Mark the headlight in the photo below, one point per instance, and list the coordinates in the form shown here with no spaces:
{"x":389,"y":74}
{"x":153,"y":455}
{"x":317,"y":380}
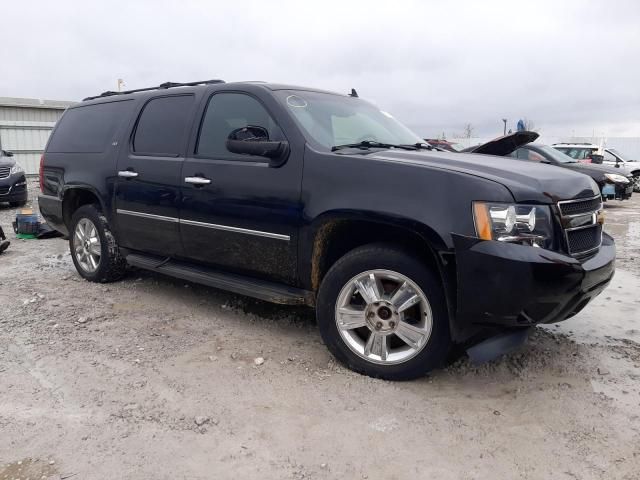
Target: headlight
{"x":16,"y":169}
{"x":615,"y":178}
{"x":523,"y":224}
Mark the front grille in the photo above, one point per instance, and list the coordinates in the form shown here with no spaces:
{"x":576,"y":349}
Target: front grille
{"x":4,"y":172}
{"x":584,"y":240}
{"x":580,"y":206}
{"x":4,"y":190}
{"x":582,"y":229}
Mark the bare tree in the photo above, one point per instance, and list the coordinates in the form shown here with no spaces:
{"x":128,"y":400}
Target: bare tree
{"x":468,"y":130}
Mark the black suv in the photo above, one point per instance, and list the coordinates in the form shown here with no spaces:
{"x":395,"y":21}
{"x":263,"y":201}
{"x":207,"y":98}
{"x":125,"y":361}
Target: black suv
{"x":301,"y":196}
{"x":13,"y":184}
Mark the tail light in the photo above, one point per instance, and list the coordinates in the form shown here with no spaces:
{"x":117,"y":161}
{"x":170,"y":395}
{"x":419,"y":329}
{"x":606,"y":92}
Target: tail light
{"x":41,"y":172}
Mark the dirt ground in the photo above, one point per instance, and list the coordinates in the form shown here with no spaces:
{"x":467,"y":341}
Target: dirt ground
{"x":152,"y":378}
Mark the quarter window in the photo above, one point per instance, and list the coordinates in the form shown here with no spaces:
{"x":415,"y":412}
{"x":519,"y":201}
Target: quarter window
{"x":90,"y":128}
{"x":162,"y":126}
{"x":226,"y":112}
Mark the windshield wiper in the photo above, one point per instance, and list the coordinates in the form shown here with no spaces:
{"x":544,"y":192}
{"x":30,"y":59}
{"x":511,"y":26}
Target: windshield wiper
{"x":366,"y":144}
{"x":417,"y":146}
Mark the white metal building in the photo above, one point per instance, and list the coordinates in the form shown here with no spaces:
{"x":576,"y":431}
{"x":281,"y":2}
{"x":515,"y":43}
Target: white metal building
{"x":25,"y":125}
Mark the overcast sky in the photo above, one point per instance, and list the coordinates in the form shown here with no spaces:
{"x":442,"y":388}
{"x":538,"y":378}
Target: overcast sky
{"x":570,"y":67}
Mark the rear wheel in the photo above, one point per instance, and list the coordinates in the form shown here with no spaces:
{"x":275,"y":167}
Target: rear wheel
{"x":382,"y":313}
{"x":93,"y":247}
{"x":636,"y":181}
{"x":17,"y":204}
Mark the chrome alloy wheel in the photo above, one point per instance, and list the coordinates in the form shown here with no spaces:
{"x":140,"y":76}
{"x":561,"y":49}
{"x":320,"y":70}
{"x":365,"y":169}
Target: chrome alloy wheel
{"x":383,"y":317}
{"x":86,"y":244}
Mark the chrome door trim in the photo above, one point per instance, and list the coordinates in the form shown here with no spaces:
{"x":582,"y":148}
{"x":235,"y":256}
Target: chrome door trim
{"x":127,"y":174}
{"x":147,"y":215}
{"x":277,"y":236}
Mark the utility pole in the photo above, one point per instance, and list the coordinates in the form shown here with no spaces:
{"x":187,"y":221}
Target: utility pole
{"x":504,"y":120}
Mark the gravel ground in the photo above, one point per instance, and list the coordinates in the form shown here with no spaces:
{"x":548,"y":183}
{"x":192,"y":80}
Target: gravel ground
{"x":152,"y":378}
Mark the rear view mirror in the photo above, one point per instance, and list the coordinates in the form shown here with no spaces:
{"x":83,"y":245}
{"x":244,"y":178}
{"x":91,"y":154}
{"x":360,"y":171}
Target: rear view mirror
{"x":254,"y":140}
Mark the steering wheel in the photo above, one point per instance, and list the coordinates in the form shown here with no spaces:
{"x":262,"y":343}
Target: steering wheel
{"x":366,"y":137}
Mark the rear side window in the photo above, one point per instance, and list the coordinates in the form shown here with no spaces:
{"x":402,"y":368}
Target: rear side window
{"x":162,"y":126}
{"x":88,"y":129}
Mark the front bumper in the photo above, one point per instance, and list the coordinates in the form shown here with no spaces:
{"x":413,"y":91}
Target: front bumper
{"x":503,"y":285}
{"x":13,"y":189}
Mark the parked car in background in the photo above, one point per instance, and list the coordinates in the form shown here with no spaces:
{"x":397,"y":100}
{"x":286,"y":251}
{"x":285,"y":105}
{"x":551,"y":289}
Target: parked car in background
{"x":443,"y":145}
{"x":13,"y":183}
{"x":584,"y":152}
{"x":300,"y":196}
{"x":611,"y":181}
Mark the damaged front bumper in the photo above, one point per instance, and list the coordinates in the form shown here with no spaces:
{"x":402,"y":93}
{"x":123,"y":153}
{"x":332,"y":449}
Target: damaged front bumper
{"x":504,"y":285}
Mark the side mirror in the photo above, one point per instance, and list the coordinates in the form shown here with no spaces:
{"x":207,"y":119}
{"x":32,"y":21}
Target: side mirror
{"x":7,"y":153}
{"x":254,"y":140}
{"x":595,"y":158}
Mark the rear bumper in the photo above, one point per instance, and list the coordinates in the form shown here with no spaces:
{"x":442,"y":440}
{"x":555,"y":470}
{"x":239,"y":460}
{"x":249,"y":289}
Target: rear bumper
{"x":51,"y":211}
{"x":506,"y":285}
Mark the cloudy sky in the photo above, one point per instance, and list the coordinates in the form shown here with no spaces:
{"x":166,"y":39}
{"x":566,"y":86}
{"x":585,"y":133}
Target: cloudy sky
{"x":571,"y":67}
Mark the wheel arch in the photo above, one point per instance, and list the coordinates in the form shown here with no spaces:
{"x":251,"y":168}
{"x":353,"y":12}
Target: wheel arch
{"x":75,"y":197}
{"x":333,"y":234}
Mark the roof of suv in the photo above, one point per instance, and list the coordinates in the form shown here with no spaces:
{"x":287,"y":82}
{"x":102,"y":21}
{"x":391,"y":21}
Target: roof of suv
{"x":190,"y":86}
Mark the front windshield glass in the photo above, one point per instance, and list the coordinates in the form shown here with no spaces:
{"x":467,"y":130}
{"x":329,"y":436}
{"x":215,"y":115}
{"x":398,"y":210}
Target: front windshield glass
{"x":332,"y":120}
{"x":617,"y":154}
{"x":557,"y":154}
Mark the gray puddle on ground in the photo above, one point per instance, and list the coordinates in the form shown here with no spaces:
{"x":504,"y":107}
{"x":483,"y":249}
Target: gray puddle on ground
{"x":28,"y":469}
{"x":611,"y":317}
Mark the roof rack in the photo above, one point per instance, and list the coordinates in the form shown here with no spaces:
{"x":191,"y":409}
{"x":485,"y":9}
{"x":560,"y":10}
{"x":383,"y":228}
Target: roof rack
{"x":165,"y":85}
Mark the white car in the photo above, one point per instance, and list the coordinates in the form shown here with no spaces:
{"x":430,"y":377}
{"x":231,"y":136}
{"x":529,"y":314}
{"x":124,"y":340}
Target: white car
{"x":583,"y":153}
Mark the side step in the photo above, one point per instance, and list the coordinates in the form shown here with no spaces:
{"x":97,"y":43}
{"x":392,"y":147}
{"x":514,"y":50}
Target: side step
{"x":251,"y":287}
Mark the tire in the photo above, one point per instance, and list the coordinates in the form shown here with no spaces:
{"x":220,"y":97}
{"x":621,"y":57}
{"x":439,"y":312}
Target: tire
{"x":389,"y":266}
{"x":636,"y":181}
{"x":110,"y":265}
{"x":17,"y":204}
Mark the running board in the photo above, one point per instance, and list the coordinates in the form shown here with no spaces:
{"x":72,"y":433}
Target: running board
{"x":249,"y":286}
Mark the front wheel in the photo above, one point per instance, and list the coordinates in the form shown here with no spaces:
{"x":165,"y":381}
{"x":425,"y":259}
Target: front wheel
{"x":382,"y":312}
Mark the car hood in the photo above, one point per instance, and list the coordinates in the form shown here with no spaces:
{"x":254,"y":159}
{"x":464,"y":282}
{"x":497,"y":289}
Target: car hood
{"x":7,"y":162}
{"x":595,"y":169}
{"x":504,"y":145}
{"x":527,"y":181}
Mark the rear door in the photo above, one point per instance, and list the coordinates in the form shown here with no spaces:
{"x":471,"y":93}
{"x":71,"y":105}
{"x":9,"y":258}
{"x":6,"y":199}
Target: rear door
{"x":149,"y":176}
{"x":241,"y":215}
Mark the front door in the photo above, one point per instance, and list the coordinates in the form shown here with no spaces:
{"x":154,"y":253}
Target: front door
{"x":238,"y":213}
{"x":149,"y":177}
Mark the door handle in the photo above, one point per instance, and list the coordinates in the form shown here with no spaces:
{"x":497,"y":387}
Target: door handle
{"x":197,"y":180}
{"x":127,"y":174}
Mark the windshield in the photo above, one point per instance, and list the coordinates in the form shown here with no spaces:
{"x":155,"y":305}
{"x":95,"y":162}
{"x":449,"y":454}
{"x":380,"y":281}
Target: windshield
{"x":556,"y":154}
{"x":577,"y":153}
{"x":332,"y":120}
{"x":617,"y":154}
